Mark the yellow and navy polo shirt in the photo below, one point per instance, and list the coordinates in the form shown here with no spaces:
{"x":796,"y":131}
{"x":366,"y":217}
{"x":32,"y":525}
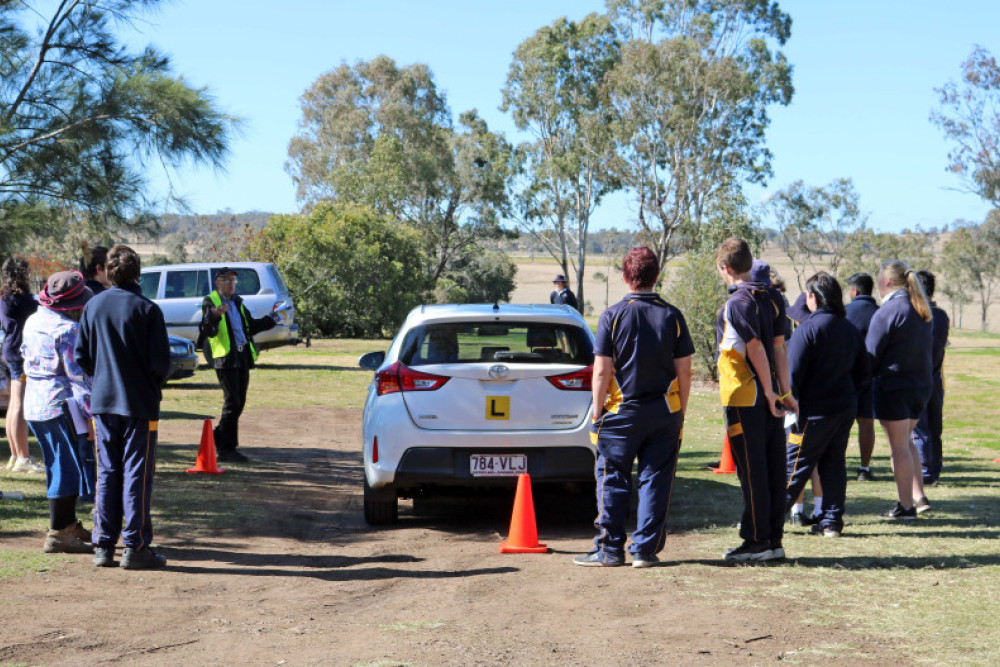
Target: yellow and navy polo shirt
{"x":749,"y":313}
{"x":643,"y":334}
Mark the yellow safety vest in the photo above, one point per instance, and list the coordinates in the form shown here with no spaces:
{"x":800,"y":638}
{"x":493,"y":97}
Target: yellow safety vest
{"x":219,"y":343}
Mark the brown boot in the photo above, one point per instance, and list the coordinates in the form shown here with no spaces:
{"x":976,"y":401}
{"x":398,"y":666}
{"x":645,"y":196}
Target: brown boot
{"x":64,"y":541}
{"x":79,"y":532}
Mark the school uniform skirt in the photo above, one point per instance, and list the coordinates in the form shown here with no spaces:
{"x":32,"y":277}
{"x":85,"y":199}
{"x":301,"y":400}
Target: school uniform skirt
{"x":64,"y":469}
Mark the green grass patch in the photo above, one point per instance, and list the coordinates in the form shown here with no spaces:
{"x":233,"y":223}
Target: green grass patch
{"x":21,"y":563}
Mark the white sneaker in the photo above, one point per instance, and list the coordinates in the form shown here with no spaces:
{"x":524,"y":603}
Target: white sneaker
{"x":28,"y":466}
{"x":10,"y":462}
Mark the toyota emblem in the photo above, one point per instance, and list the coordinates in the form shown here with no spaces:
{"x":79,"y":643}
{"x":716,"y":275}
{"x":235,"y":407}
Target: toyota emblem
{"x":499,"y":372}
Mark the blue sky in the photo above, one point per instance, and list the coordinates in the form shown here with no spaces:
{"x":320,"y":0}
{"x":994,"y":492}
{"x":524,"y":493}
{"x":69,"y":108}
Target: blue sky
{"x":865,"y":74}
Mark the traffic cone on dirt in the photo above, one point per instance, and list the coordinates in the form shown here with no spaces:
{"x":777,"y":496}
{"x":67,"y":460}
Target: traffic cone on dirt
{"x":523,"y":535}
{"x":726,"y":465}
{"x":206,"y":452}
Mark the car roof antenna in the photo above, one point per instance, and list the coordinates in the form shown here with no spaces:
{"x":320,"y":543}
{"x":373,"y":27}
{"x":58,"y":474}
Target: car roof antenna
{"x":496,"y":303}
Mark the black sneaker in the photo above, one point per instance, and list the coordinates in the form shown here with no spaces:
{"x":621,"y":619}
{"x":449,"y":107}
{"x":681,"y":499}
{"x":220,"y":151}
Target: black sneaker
{"x":750,"y":552}
{"x":645,"y":560}
{"x":597,"y":559}
{"x":142,"y":559}
{"x":865,"y":475}
{"x":825,"y":531}
{"x":231,"y":456}
{"x":104,"y":556}
{"x":922,"y":505}
{"x":897,"y":513}
{"x":800,"y":519}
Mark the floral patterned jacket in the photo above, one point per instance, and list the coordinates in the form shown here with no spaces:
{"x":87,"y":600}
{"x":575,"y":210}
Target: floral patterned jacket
{"x":53,"y":376}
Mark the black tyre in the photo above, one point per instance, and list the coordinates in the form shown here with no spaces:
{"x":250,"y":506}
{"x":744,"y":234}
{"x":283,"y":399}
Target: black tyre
{"x":381,"y":506}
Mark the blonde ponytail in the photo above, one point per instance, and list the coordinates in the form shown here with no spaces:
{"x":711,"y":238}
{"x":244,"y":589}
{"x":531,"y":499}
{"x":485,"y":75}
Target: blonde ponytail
{"x":917,"y":296}
{"x":898,"y":274}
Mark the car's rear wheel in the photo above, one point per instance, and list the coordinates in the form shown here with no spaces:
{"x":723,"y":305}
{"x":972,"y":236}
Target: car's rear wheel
{"x":381,"y":506}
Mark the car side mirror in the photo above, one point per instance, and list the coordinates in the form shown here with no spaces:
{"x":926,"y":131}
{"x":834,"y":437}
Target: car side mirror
{"x":371,"y":361}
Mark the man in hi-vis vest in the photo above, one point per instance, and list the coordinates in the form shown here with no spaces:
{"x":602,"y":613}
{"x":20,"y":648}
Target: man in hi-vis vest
{"x":227,"y":329}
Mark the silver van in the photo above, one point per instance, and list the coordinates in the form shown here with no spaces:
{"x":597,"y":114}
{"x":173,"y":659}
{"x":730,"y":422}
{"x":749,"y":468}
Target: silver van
{"x":178,"y":289}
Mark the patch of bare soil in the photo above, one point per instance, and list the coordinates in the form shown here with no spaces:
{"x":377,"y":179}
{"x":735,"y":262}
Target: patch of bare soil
{"x":308,"y":582}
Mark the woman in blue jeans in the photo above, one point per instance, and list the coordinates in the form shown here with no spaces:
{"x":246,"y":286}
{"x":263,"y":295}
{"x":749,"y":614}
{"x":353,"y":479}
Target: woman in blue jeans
{"x":829,"y":366}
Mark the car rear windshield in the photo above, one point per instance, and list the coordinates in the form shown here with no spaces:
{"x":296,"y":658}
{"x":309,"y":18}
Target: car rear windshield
{"x":512,"y":342}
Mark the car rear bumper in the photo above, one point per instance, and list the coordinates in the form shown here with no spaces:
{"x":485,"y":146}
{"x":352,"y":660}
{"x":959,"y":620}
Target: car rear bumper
{"x":411,"y":457}
{"x":450,"y":466}
{"x":182,"y":367}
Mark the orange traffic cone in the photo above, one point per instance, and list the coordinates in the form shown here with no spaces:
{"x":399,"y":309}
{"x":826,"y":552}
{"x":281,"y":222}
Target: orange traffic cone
{"x":206,"y":452}
{"x":726,"y":465}
{"x":523,"y":536}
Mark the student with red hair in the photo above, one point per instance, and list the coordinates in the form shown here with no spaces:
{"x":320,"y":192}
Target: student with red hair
{"x":642,"y":379}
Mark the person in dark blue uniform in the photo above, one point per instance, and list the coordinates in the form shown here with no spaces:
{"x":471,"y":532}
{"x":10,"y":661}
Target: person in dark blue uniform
{"x":94,"y":267}
{"x":123,"y":345}
{"x":562,"y":293}
{"x":754,"y":389}
{"x":927,"y":432}
{"x":641,"y":383}
{"x":900,"y":340}
{"x":860,"y":311}
{"x":829,"y":365}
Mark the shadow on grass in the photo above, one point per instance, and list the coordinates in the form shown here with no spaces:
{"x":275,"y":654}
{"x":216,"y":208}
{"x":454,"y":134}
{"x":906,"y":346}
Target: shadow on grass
{"x":172,"y":414}
{"x":944,"y":562}
{"x":196,"y":385}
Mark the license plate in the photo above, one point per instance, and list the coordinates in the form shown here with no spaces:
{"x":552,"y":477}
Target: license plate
{"x":505,"y":465}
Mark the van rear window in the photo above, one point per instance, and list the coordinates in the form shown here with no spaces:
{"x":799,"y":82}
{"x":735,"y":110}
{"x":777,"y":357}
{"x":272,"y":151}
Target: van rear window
{"x":490,"y":342}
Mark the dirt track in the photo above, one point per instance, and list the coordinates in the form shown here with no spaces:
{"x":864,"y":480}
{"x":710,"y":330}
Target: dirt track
{"x":310,"y":583}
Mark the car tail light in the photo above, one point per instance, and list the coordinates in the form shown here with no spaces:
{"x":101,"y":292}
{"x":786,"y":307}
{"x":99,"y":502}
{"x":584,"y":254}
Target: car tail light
{"x":399,"y":377}
{"x":576,"y":381}
{"x":375,"y":450}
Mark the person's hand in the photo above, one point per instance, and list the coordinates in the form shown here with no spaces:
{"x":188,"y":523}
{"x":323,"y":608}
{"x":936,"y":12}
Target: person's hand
{"x":791,"y":404}
{"x":221,"y":310}
{"x":772,"y":404}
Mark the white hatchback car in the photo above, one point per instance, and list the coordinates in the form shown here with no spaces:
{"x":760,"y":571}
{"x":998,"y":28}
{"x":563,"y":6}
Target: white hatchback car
{"x":473,"y":395}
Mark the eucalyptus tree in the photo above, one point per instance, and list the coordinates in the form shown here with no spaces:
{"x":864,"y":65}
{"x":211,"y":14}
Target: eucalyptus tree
{"x":971,"y":258}
{"x":690,"y":98}
{"x":817,"y":226}
{"x":381,"y":135}
{"x":556,"y":91}
{"x":83,"y":118}
{"x":969,"y":116}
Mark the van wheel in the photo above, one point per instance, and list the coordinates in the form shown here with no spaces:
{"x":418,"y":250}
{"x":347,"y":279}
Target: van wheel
{"x":381,"y":506}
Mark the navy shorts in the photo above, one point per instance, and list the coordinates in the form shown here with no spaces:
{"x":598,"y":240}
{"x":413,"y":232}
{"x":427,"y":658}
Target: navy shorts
{"x":866,"y":405}
{"x":900,"y":404}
